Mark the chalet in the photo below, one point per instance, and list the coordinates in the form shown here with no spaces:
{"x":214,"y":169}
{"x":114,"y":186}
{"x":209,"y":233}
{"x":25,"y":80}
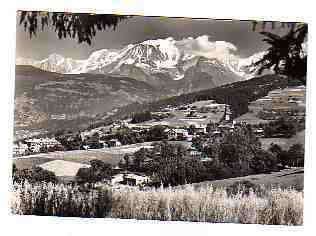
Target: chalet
{"x":114,"y":143}
{"x":194,"y":152}
{"x":116,"y":170}
{"x":259,"y":132}
{"x":129,"y":178}
{"x":200,"y":129}
{"x":178,"y":134}
{"x":95,"y":143}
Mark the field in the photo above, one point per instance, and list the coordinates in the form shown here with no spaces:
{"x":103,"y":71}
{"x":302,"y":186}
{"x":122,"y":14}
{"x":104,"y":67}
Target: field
{"x":284,"y":143}
{"x":288,"y":178}
{"x":278,"y":207}
{"x":108,"y":155}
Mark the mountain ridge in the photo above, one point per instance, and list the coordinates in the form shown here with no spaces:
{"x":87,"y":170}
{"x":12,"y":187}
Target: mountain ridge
{"x":166,"y":56}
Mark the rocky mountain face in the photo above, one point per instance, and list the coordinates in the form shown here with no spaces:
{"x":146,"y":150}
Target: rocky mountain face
{"x":156,"y":62}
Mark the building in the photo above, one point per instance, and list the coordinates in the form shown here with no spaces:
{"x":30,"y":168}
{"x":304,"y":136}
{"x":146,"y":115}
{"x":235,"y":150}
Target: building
{"x":129,"y":178}
{"x":178,"y":134}
{"x":259,"y":132}
{"x":20,"y":149}
{"x":48,"y":142}
{"x":114,"y":143}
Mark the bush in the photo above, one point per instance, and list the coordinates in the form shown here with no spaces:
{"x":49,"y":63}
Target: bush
{"x":36,"y":174}
{"x":141,"y":117}
{"x":245,"y":187}
{"x":98,"y":171}
{"x":296,"y":155}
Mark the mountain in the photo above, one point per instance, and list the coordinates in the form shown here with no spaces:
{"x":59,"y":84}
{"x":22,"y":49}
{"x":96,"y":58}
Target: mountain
{"x":160,"y":63}
{"x":49,"y":100}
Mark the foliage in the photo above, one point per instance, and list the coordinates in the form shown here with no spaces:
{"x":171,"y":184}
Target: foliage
{"x":80,"y":26}
{"x":141,"y":117}
{"x":98,"y":171}
{"x":292,"y":157}
{"x":296,"y":155}
{"x":14,"y":169}
{"x":209,"y":204}
{"x":156,"y":133}
{"x":282,"y":127}
{"x":36,"y":174}
{"x":70,"y":142}
{"x":285,"y":54}
{"x":245,"y":188}
{"x":238,"y":153}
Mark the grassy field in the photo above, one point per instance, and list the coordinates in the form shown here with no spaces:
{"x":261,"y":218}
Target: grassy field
{"x":287,"y":178}
{"x":278,"y":207}
{"x":284,"y":143}
{"x":108,"y":155}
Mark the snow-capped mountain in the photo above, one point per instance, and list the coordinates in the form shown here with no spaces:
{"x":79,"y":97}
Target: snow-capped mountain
{"x":158,"y":61}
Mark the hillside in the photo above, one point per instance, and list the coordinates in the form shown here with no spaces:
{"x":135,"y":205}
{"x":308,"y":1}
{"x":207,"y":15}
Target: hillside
{"x":287,"y":178}
{"x":238,"y":95}
{"x":46,"y":100}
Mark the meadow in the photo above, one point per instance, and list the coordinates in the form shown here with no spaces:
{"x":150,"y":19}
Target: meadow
{"x":211,"y":204}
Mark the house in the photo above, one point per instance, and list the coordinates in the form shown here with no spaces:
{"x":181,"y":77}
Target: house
{"x":194,"y":152}
{"x":178,"y":134}
{"x":129,"y":178}
{"x":48,"y":142}
{"x":95,"y":143}
{"x":200,"y":129}
{"x":114,"y":143}
{"x":259,"y":132}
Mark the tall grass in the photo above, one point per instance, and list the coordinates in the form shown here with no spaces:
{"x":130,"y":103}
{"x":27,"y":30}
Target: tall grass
{"x":210,"y":204}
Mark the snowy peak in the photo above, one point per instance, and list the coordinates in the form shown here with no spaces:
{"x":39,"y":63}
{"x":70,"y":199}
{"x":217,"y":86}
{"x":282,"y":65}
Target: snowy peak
{"x":154,"y":56}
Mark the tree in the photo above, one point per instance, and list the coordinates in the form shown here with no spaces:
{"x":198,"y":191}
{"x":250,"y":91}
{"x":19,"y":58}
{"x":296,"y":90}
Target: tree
{"x":98,"y":171}
{"x":157,"y":133}
{"x":296,"y":155}
{"x":14,"y":169}
{"x":33,"y":175}
{"x":141,"y":117}
{"x":80,"y":26}
{"x":285,"y":55}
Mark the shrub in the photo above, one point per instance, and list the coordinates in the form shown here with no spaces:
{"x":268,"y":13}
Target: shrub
{"x":98,"y":171}
{"x":245,"y":187}
{"x":36,"y":174}
{"x":141,"y":117}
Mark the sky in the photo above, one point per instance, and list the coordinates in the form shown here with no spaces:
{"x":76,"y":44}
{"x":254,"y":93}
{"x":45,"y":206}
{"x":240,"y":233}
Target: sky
{"x":137,"y":29}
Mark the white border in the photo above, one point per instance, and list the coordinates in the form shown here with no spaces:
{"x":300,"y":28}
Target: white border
{"x":243,"y":9}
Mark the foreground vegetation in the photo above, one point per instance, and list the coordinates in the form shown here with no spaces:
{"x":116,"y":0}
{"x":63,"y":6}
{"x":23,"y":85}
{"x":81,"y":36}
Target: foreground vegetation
{"x":276,"y":206}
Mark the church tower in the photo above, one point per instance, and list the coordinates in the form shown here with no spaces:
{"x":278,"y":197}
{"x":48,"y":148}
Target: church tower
{"x":228,"y":115}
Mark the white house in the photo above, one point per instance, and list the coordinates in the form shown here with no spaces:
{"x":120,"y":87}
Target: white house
{"x":114,"y":143}
{"x":129,"y":179}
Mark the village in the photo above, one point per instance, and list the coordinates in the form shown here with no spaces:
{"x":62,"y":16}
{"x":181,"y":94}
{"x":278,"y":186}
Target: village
{"x":195,"y":126}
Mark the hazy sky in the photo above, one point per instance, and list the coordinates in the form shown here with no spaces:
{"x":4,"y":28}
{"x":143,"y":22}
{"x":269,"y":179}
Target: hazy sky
{"x":138,"y":29}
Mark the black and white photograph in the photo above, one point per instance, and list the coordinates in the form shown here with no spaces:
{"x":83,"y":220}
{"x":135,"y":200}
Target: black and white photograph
{"x":159,"y":118}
